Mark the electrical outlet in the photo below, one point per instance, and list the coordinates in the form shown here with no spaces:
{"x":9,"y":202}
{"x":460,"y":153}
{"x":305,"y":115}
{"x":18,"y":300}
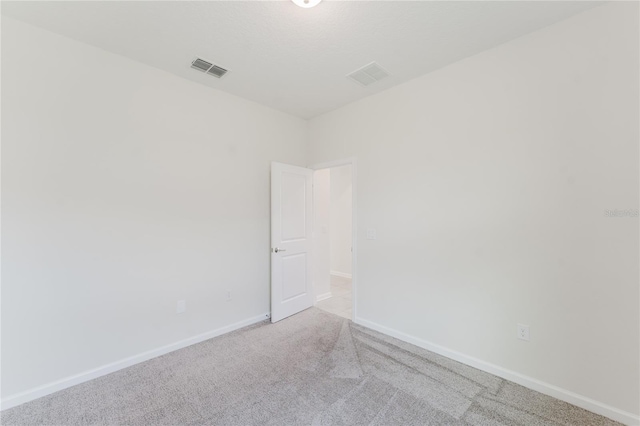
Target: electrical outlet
{"x":181,"y":306}
{"x":371,"y":234}
{"x":523,"y":332}
{"x":228,"y":295}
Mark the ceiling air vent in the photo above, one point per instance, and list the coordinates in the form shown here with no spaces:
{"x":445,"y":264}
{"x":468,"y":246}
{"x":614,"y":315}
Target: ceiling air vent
{"x":208,"y":67}
{"x":368,"y":74}
{"x":217,"y":71}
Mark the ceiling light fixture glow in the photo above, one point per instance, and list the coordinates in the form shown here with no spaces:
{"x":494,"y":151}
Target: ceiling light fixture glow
{"x":306,"y":3}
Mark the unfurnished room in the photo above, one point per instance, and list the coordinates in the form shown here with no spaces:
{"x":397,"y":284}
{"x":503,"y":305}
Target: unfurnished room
{"x":320,"y":212}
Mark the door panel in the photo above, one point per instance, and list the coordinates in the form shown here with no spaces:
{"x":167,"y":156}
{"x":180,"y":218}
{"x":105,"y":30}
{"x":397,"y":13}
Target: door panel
{"x":293,"y":267}
{"x":293,"y":213}
{"x":291,"y":239}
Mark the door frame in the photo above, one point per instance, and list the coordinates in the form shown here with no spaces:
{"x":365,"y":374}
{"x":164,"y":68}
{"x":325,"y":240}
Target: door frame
{"x":354,"y":225}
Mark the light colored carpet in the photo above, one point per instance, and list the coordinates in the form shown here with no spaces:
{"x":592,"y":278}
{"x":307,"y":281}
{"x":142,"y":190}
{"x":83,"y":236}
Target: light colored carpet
{"x":314,"y":368}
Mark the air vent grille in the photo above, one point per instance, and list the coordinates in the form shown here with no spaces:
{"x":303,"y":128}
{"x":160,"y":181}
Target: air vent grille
{"x":208,"y":67}
{"x":201,"y":65}
{"x":217,"y":71}
{"x":368,"y":74}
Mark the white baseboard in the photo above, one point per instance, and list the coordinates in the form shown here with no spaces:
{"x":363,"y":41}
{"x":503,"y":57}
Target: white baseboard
{"x":323,"y":296}
{"x":49,"y":388}
{"x":340,"y":274}
{"x":529,"y":382}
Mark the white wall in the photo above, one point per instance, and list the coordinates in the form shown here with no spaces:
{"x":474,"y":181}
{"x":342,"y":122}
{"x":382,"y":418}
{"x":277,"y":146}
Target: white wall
{"x":321,"y":233}
{"x":341,"y":220}
{"x":125,"y":189}
{"x":487,"y":183}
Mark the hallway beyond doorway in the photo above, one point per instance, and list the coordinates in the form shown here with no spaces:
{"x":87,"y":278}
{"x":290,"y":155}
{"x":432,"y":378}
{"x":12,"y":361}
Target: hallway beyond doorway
{"x":340,"y":301}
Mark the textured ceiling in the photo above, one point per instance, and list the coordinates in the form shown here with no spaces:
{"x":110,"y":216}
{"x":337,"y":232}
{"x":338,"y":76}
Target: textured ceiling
{"x":293,"y":59}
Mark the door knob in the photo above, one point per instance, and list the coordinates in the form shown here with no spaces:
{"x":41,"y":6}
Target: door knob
{"x":278,"y":249}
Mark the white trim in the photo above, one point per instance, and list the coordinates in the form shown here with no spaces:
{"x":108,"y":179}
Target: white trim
{"x":335,"y":163}
{"x":323,"y":296}
{"x":529,"y":382}
{"x":340,"y":274}
{"x":58,"y":385}
{"x":354,"y":224}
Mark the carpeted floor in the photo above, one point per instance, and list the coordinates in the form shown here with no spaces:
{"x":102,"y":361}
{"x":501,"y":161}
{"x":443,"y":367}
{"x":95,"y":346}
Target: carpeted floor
{"x":314,"y":368}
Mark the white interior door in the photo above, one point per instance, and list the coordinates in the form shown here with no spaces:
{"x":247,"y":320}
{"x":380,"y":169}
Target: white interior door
{"x":291,"y":239}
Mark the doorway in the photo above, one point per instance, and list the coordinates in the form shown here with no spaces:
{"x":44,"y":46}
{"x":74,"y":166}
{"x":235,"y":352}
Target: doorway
{"x":333,"y":215}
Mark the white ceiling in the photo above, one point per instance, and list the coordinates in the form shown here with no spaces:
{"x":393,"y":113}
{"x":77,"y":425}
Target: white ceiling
{"x":293,"y":59}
